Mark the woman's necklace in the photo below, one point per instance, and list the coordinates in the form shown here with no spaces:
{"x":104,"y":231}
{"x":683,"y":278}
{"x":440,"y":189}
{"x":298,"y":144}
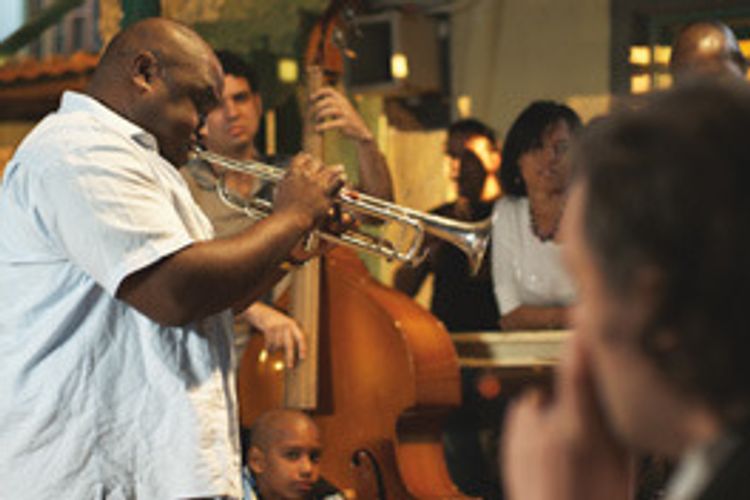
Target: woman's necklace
{"x":551,"y":232}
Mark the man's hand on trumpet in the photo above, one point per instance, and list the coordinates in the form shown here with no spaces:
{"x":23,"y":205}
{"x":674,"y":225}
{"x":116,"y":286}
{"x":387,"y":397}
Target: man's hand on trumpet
{"x":309,"y":189}
{"x":336,"y":222}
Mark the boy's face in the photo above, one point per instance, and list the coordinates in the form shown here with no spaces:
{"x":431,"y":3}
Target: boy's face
{"x":291,"y":464}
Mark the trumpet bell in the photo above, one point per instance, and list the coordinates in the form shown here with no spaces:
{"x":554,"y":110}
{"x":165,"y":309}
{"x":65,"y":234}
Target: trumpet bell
{"x":472,"y":238}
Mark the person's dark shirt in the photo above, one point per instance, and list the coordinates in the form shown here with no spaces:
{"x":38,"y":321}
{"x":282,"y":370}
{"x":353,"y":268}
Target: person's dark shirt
{"x":461,"y":301}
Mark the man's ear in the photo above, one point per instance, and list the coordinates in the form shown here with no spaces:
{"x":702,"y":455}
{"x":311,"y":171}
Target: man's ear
{"x":258,"y":104}
{"x":256,"y":460}
{"x":143,"y":71}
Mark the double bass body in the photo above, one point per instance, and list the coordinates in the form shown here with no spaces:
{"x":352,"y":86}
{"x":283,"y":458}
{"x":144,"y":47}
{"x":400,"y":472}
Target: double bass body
{"x":387,"y":376}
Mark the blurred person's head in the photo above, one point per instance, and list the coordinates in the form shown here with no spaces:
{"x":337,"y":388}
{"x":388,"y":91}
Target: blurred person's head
{"x":657,"y":238}
{"x":706,"y":48}
{"x":475,"y":136}
{"x":535,"y":146}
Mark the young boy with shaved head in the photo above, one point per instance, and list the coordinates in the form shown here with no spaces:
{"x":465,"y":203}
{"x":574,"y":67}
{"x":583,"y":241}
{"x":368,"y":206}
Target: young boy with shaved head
{"x":283,"y":459}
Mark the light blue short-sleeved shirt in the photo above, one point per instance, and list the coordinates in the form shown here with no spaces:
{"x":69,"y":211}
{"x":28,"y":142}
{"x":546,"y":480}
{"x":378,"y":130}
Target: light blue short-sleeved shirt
{"x":97,"y":400}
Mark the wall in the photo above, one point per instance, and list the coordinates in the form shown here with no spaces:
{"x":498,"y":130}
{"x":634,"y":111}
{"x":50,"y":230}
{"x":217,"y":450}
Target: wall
{"x":11,"y":134}
{"x":506,"y":53}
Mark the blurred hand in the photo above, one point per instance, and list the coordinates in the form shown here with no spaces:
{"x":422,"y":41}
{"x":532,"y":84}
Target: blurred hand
{"x":332,"y":110}
{"x":281,"y":332}
{"x":309,"y":187}
{"x":562,"y":448}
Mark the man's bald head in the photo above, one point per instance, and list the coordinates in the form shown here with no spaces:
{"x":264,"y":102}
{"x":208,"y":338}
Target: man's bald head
{"x":706,"y":48}
{"x":172,"y":42}
{"x":163,"y":77}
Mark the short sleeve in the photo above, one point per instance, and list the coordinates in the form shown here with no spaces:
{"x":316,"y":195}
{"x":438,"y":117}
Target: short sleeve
{"x":109,"y":213}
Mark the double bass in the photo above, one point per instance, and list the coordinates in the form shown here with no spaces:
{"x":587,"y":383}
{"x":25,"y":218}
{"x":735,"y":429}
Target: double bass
{"x":379,"y":380}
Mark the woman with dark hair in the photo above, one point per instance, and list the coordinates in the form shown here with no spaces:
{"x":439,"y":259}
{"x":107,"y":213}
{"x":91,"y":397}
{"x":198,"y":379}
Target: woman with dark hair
{"x":531,"y":286}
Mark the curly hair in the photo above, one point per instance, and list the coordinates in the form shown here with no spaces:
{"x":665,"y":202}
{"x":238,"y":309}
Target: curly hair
{"x":666,"y":190}
{"x":525,"y":135}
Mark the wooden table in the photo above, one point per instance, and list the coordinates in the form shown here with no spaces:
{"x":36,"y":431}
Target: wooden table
{"x":509,"y":349}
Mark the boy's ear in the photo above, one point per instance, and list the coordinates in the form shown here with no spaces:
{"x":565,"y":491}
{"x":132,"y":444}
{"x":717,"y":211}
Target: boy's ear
{"x":256,"y":460}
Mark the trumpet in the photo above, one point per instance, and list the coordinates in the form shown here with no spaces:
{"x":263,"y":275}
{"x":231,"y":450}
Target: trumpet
{"x":469,"y":237}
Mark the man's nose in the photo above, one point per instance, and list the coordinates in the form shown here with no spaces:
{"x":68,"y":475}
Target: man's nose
{"x":306,"y":467}
{"x":230,"y":108}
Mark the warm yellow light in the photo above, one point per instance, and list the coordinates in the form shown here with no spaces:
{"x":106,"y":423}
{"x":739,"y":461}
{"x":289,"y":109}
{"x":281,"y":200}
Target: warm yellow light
{"x":278,"y":366}
{"x":662,"y":54}
{"x":270,"y":132}
{"x":745,"y":47}
{"x":399,"y":66}
{"x":288,"y":70}
{"x":263,"y":356}
{"x":488,"y":154}
{"x":485,"y":151}
{"x":463,"y":104}
{"x":640,"y":55}
{"x":663,"y":80}
{"x":640,"y":84}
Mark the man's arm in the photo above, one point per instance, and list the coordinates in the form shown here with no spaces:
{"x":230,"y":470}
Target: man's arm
{"x":211,"y":276}
{"x":332,"y":110}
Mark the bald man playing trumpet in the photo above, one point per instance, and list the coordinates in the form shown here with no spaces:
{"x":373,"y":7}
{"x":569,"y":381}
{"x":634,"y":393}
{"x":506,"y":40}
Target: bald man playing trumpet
{"x":116,"y":340}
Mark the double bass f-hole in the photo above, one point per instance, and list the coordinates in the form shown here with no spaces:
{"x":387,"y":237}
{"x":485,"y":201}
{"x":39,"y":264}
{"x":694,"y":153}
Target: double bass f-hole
{"x":370,"y":483}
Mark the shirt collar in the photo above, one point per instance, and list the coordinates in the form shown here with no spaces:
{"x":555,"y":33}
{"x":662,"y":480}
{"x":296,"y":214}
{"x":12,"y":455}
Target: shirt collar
{"x":76,"y":101}
{"x":248,"y":485}
{"x":697,"y":467}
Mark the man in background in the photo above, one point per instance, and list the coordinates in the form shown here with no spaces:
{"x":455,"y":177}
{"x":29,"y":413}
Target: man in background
{"x":475,"y":136}
{"x":706,"y":48}
{"x":231,"y":131}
